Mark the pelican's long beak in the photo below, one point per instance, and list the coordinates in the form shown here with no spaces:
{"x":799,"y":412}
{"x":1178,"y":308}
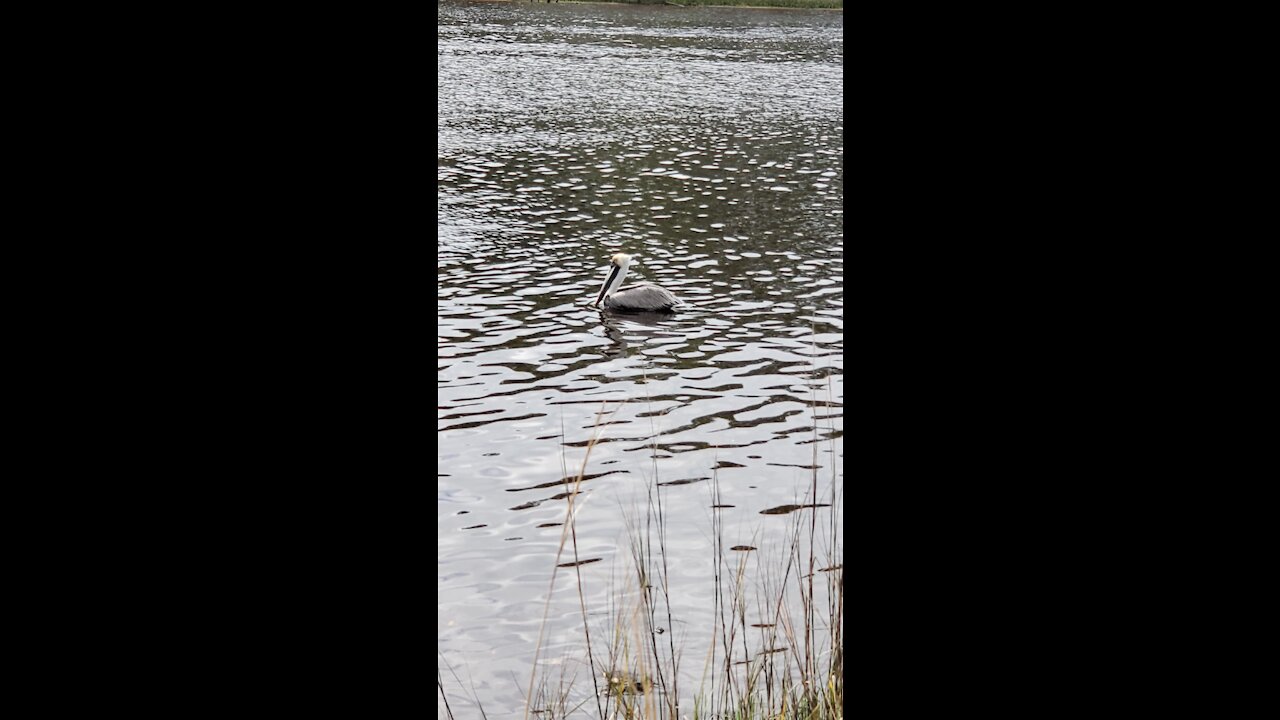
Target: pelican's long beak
{"x":606,"y":288}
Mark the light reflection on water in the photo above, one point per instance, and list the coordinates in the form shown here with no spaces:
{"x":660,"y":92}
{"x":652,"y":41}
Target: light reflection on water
{"x":708,"y":142}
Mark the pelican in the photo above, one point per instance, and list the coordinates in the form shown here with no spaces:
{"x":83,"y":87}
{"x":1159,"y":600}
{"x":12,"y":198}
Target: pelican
{"x":645,"y":297}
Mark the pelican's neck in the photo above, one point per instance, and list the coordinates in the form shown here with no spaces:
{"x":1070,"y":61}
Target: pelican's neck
{"x":617,"y":282}
{"x":613,"y":281}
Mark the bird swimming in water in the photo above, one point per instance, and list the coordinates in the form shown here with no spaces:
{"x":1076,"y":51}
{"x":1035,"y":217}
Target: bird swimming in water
{"x":644,"y":297}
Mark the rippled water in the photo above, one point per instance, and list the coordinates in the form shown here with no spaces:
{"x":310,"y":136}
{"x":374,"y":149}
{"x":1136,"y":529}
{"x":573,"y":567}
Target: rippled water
{"x":707,"y":142}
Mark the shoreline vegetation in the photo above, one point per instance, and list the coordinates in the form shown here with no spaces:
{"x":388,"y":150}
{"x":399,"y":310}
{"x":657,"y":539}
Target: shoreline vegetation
{"x":742,"y":4}
{"x":775,"y":648}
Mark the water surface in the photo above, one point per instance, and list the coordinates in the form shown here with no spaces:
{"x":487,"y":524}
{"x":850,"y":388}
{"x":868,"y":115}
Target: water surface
{"x":708,"y":143}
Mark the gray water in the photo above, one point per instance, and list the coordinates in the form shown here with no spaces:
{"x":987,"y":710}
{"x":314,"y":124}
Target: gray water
{"x":708,"y":143}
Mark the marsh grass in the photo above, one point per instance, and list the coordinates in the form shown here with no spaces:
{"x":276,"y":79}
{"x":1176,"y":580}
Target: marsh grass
{"x":774,"y":650}
{"x":776,"y":644}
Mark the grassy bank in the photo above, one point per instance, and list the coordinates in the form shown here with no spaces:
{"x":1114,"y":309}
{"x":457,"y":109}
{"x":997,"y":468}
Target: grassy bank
{"x":822,"y":4}
{"x":802,"y":4}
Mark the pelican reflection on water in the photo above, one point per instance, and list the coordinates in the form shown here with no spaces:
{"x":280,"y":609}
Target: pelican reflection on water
{"x":642,"y":297}
{"x":623,"y":329}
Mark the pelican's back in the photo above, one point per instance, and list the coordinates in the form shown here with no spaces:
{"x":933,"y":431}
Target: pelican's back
{"x":643,"y":297}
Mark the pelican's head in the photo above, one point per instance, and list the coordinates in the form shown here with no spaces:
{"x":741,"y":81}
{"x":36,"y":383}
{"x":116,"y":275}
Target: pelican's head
{"x":618,"y":265}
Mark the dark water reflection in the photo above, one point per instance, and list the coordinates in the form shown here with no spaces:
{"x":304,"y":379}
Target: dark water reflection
{"x":707,"y":142}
